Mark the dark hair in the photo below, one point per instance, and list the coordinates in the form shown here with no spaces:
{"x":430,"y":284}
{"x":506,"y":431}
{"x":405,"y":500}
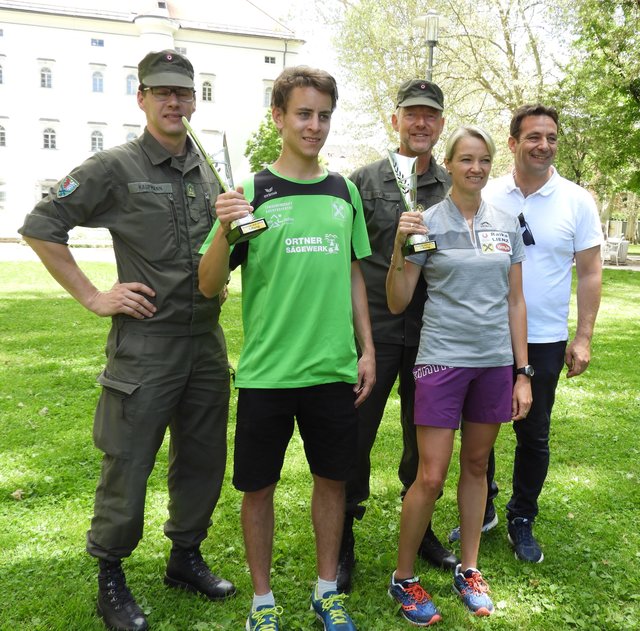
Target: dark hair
{"x":302,"y":77}
{"x":530,"y":110}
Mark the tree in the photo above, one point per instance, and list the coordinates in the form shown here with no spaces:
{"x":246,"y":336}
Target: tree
{"x":599,"y":102}
{"x":264,"y":145}
{"x":490,"y":57}
{"x":601,"y":91}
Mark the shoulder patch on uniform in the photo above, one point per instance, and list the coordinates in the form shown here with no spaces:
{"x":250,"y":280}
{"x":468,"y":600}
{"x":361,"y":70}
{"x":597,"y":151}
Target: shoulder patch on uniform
{"x":67,"y":186}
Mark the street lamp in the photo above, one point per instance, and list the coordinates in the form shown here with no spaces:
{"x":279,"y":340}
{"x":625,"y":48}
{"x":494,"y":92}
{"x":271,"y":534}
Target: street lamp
{"x":429,"y":22}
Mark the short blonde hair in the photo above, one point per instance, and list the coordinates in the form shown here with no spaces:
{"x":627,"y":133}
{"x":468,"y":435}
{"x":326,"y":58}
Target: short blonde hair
{"x":469,"y":131}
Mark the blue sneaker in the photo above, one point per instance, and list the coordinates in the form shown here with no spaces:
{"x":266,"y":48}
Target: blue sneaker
{"x":331,"y":612}
{"x":473,"y":590}
{"x":524,"y":544}
{"x":490,"y":522}
{"x":264,"y":618}
{"x":416,"y":605}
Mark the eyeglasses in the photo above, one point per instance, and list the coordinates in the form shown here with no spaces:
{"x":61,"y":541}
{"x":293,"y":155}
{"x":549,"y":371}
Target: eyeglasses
{"x":527,"y":235}
{"x":184,"y":95}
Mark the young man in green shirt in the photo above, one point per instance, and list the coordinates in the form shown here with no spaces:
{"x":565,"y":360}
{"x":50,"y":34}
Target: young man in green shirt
{"x":302,"y":297}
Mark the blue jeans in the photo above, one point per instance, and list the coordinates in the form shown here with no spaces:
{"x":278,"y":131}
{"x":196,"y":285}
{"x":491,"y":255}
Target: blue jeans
{"x":531,"y":461}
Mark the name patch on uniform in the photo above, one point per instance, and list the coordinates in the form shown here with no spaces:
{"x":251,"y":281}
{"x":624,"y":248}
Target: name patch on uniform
{"x":67,"y":186}
{"x":149,"y":187}
{"x":494,"y":242}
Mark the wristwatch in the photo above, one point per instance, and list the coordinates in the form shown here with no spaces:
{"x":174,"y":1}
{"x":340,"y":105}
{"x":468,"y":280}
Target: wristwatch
{"x":526,"y":370}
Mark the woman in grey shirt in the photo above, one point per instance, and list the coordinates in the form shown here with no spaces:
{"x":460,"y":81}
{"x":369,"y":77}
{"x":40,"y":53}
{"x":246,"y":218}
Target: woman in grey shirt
{"x":473,"y":326}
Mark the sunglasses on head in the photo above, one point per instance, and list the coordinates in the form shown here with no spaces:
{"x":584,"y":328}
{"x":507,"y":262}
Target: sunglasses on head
{"x":527,"y":235}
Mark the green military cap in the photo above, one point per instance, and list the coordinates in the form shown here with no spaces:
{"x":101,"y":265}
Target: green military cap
{"x":420,"y":92}
{"x":166,"y":67}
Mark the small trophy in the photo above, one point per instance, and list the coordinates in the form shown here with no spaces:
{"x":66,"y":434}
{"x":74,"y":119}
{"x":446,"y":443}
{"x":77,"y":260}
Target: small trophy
{"x":246,"y":227}
{"x":404,"y":169}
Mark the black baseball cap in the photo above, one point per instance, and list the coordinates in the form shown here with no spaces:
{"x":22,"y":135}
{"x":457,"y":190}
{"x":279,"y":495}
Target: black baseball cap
{"x":166,"y":67}
{"x":420,"y":92}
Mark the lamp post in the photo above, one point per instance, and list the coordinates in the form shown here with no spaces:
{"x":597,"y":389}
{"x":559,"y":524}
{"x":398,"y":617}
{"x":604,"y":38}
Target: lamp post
{"x":429,"y":22}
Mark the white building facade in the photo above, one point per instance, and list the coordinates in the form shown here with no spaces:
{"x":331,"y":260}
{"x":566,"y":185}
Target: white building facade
{"x":68,"y":81}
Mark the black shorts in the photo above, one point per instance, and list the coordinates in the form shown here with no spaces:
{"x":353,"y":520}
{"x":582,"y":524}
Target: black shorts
{"x":327,"y":421}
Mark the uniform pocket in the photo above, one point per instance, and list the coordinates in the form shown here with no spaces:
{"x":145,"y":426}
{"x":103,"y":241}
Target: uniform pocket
{"x":150,"y":224}
{"x":113,"y":426}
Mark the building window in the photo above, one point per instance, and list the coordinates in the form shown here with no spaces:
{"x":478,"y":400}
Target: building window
{"x":3,"y":137}
{"x":97,"y":42}
{"x":132,"y":84}
{"x":98,"y":82}
{"x":49,"y":138}
{"x":267,"y":96}
{"x":207,"y":91}
{"x":97,"y":141}
{"x":181,"y":50}
{"x":269,"y":60}
{"x":45,"y":77}
{"x":131,"y":136}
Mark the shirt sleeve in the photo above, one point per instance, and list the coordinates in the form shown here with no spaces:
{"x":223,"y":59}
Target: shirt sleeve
{"x":207,"y":242}
{"x":81,"y":198}
{"x":588,"y":228}
{"x":518,"y":250}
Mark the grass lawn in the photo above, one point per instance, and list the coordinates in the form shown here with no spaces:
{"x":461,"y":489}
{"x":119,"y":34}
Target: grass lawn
{"x":50,"y":353}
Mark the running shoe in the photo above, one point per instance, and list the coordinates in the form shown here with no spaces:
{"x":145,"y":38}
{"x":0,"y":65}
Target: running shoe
{"x":525,"y":546}
{"x":264,"y":618}
{"x":490,"y":522}
{"x":329,"y":609}
{"x":473,"y":590}
{"x":416,"y":605}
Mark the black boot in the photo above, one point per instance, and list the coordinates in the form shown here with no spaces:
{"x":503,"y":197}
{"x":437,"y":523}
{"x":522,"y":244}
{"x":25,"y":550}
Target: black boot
{"x":187,"y":570}
{"x":116,"y":605}
{"x":432,"y":551}
{"x":347,"y":558}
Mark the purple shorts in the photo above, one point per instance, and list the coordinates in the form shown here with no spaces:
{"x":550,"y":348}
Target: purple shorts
{"x":445,"y":395}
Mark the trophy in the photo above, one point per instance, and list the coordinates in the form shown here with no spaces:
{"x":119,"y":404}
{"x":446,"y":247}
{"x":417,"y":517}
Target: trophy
{"x":246,"y":227}
{"x":404,"y":170}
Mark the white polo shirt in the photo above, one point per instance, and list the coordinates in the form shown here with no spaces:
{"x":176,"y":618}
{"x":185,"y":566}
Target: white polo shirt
{"x":563,"y":219}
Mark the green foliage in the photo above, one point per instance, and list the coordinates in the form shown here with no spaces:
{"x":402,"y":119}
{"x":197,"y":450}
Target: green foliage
{"x":50,"y":352}
{"x":489,"y":58}
{"x":600,"y":97}
{"x":264,"y":145}
{"x":494,"y":55}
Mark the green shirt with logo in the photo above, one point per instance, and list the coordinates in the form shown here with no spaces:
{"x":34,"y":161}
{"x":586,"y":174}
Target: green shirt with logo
{"x":296,"y":281}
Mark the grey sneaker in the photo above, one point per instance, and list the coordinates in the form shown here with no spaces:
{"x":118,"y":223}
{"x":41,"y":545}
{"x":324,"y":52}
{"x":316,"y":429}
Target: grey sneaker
{"x":489,"y":524}
{"x":525,"y":546}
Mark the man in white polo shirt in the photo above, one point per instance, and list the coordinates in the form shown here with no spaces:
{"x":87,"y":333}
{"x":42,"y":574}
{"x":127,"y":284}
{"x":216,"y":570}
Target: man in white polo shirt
{"x":560,"y":225}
